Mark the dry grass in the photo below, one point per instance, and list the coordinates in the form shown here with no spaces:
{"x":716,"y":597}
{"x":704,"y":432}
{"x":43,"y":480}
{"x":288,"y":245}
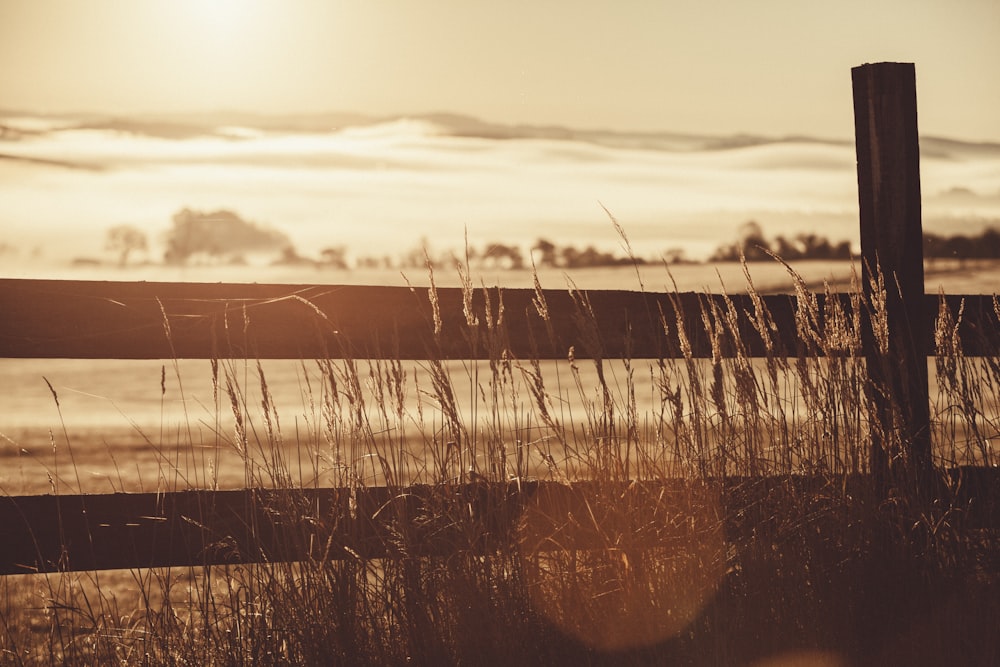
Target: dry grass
{"x":793,"y":560}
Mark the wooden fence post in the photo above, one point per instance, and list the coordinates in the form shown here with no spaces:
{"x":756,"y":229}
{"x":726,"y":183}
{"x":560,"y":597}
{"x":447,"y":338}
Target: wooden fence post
{"x":885,"y":126}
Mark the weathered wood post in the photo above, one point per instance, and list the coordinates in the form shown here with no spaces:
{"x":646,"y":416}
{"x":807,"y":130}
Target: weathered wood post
{"x":896,"y":345}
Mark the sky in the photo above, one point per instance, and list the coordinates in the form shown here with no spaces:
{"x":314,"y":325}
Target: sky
{"x":773,"y":67}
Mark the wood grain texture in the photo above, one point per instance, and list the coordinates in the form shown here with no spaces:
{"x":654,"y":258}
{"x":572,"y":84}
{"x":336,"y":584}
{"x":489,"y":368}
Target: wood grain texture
{"x":888,"y":151}
{"x":120,"y":320}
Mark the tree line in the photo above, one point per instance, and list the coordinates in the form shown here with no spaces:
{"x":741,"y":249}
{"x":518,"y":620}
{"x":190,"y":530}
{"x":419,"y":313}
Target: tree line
{"x":224,"y":237}
{"x":752,"y":246}
{"x":985,"y":245}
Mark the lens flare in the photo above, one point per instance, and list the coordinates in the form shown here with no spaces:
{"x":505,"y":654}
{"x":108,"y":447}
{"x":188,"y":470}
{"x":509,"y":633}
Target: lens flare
{"x":620,"y":569}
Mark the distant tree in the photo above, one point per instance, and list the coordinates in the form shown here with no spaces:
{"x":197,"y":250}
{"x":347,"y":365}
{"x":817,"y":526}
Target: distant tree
{"x":675,"y":256}
{"x":842,"y":250}
{"x":785,"y":249}
{"x":124,"y":240}
{"x":728,"y":252}
{"x":752,"y":246}
{"x":571,"y":257}
{"x":218,"y":235}
{"x":515,"y":256}
{"x":546,"y":252}
{"x":815,"y":246}
{"x":334,"y":256}
{"x":811,"y":246}
{"x":589,"y":257}
{"x":505,"y":256}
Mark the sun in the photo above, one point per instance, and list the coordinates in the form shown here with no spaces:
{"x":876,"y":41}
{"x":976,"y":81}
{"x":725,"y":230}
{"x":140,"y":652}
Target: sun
{"x":210,"y":53}
{"x":223,"y":32}
{"x":226,"y":54}
{"x":218,"y":20}
{"x":223,"y":16}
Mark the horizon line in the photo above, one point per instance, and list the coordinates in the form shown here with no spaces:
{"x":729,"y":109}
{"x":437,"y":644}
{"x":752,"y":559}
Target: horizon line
{"x":356,"y":118}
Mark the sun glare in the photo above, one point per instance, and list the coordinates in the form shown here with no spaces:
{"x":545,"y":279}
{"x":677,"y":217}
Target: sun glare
{"x":221,"y":15}
{"x":217,"y":53}
{"x":221,"y":25}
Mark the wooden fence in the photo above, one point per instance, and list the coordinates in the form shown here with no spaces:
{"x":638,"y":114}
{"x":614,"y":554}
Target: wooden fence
{"x":119,"y":320}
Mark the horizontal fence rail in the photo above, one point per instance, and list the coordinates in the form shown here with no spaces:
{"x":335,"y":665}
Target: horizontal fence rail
{"x":121,"y":320}
{"x":199,"y":528}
